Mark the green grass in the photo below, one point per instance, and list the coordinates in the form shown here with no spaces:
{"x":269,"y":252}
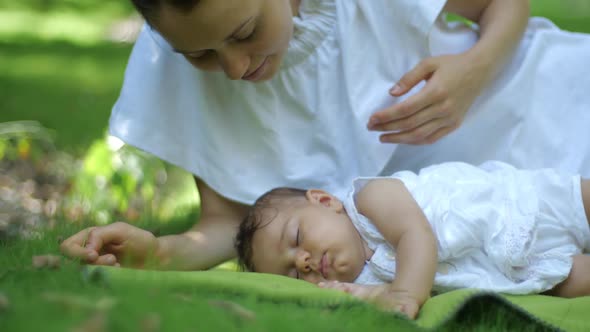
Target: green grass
{"x":66,"y":87}
{"x":67,"y":298}
{"x":571,"y":15}
{"x":68,"y":80}
{"x":59,"y":300}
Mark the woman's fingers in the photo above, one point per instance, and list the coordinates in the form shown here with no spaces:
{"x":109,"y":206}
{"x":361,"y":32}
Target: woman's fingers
{"x":441,"y":132}
{"x":450,"y":90}
{"x":112,"y":234}
{"x":74,"y":246}
{"x":96,"y":245}
{"x":108,"y":259}
{"x":420,"y":72}
{"x":413,"y":121}
{"x":397,"y":116}
{"x":424,"y":134}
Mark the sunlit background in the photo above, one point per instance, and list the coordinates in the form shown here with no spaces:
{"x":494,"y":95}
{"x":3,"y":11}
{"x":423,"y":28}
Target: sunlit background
{"x":61,"y":67}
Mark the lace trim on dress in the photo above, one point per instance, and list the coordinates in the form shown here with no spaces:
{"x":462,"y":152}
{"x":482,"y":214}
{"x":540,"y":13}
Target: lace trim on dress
{"x":317,"y":18}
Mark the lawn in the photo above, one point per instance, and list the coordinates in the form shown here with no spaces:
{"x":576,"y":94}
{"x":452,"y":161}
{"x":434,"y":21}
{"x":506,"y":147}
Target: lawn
{"x":58,"y":70}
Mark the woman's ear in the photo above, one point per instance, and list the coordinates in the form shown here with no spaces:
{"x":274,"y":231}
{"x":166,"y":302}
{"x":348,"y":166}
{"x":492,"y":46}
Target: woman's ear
{"x":321,"y":197}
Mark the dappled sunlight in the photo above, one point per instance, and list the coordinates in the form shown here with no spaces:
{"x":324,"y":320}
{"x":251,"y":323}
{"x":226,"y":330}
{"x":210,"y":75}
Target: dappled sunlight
{"x":119,"y":182}
{"x":57,"y":26}
{"x":68,"y":63}
{"x":41,"y":187}
{"x":67,"y":88}
{"x":34,"y":179}
{"x":82,"y":22}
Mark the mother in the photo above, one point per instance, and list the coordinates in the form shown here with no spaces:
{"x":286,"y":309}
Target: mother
{"x":335,"y":80}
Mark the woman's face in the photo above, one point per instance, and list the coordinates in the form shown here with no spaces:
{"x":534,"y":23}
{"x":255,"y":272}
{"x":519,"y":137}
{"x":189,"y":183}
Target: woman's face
{"x":246,"y":39}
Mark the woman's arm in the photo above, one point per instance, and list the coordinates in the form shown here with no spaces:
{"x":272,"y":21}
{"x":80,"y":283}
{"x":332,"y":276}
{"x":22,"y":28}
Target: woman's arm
{"x":395,"y":213}
{"x":453,"y":82}
{"x":210,"y":241}
{"x":207,"y":244}
{"x":501,"y":22}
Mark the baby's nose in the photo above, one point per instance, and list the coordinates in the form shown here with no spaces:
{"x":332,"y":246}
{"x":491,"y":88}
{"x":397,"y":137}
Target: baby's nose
{"x":302,"y":261}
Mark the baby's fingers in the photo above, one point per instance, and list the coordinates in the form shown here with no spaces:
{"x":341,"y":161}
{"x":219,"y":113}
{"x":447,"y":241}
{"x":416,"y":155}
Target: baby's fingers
{"x":329,"y":284}
{"x":345,"y":287}
{"x":408,"y":309}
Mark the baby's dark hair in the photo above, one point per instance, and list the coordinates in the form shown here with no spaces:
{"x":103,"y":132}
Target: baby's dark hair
{"x":258,"y":217}
{"x":149,"y":8}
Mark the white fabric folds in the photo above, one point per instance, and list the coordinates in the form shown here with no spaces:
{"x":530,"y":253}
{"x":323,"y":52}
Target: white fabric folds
{"x":307,"y":126}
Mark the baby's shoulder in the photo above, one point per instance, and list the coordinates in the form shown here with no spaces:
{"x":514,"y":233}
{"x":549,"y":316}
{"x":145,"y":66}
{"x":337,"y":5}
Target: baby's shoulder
{"x":379,"y":191}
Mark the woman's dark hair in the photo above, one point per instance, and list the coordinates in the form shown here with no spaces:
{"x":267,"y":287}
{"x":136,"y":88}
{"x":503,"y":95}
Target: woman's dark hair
{"x":262,"y":213}
{"x":149,"y":8}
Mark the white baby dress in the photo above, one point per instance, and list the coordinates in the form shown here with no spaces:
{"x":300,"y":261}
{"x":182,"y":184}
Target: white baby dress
{"x":498,"y":228}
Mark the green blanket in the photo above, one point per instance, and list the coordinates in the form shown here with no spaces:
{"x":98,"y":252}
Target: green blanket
{"x":543,"y":311}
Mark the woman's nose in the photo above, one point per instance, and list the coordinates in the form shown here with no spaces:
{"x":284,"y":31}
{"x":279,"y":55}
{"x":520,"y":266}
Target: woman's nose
{"x":234,"y":62}
{"x":302,"y":261}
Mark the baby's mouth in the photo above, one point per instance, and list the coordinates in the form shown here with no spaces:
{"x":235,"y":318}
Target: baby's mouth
{"x":324,"y":266}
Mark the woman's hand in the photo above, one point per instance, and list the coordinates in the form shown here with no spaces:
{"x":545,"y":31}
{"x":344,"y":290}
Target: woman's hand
{"x":383,"y":296}
{"x":114,"y":244}
{"x":453,"y":82}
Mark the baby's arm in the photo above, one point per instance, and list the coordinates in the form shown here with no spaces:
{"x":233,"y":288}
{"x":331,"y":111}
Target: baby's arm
{"x":395,"y":213}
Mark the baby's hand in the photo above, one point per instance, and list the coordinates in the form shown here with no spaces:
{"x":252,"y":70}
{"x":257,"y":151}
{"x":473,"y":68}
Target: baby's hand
{"x":383,"y":296}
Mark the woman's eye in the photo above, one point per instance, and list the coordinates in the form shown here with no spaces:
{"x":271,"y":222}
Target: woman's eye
{"x":246,"y":36}
{"x":198,"y":55}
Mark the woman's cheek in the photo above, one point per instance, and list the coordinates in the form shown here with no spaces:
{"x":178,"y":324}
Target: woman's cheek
{"x":208,"y":63}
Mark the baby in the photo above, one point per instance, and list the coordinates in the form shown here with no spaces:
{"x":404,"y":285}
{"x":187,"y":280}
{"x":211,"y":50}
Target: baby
{"x":394,"y":240}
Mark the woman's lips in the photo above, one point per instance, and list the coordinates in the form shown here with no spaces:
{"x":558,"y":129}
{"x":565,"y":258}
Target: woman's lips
{"x":255,"y":75}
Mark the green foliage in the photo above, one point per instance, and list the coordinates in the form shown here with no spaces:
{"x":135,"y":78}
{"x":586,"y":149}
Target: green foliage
{"x":116,"y":7}
{"x":67,"y":88}
{"x":115,"y":184}
{"x":39,"y":184}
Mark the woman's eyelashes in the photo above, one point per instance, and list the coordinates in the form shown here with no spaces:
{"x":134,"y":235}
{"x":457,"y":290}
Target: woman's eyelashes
{"x":246,"y":36}
{"x":239,"y":38}
{"x":197,"y":56}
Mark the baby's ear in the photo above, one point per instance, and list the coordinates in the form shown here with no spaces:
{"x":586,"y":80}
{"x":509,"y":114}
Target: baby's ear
{"x":321,"y":197}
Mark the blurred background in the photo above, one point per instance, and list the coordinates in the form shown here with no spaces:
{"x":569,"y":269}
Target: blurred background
{"x":61,"y":68}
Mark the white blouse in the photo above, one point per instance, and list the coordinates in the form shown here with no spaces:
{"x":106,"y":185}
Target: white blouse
{"x":307,"y":126}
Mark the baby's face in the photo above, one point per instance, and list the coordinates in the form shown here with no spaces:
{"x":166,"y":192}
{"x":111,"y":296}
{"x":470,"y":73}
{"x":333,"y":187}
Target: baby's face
{"x":315,"y":242}
{"x":246,"y":39}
